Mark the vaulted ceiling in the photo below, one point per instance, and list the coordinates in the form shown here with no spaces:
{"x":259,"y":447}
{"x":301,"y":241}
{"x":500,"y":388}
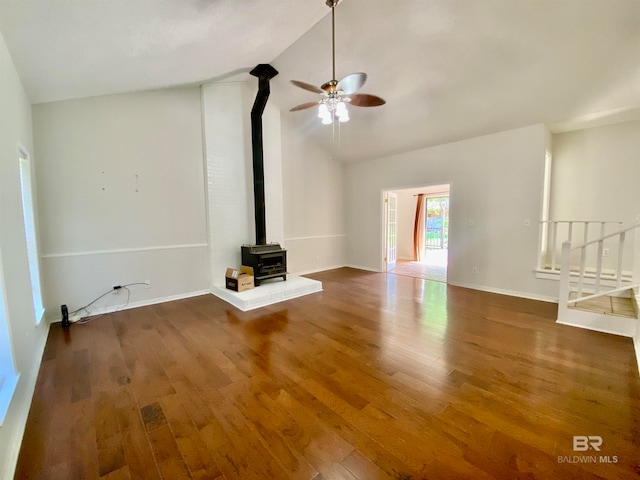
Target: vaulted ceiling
{"x":448,"y":69}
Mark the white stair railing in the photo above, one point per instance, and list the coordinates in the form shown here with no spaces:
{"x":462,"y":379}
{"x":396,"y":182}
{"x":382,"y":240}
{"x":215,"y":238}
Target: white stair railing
{"x":556,"y":232}
{"x":620,"y":285}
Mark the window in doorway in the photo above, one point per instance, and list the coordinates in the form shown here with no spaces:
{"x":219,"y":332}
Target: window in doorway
{"x":28,"y":212}
{"x":437,"y":234}
{"x":546,"y":195}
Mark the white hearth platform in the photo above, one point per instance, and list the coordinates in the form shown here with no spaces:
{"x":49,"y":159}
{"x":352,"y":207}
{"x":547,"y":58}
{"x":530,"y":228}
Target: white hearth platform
{"x":269,"y":292}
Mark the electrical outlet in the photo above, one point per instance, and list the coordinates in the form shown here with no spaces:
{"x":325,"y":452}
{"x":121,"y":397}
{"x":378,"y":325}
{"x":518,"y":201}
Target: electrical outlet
{"x":606,"y":252}
{"x":527,"y":222}
{"x":148,"y":284}
{"x":474,"y":269}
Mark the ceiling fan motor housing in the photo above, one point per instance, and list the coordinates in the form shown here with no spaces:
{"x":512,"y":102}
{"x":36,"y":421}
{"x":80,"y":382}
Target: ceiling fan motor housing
{"x":329,"y":87}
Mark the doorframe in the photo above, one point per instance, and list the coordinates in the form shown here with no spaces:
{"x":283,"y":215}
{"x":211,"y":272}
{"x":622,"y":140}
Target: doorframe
{"x":385,"y":224}
{"x":383,"y":227}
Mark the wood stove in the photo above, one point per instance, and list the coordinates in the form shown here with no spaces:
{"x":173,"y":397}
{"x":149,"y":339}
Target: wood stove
{"x":268,"y":260}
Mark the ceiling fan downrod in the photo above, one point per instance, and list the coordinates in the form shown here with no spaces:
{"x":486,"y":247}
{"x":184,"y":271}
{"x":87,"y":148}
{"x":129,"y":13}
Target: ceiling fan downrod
{"x":332,"y":4}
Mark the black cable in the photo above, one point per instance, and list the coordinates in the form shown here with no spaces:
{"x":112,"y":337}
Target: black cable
{"x":91,"y":303}
{"x":86,"y":320}
{"x":113,"y":289}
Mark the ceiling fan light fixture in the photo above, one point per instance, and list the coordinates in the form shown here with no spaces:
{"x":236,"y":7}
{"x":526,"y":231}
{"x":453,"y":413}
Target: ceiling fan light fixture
{"x":336,"y":94}
{"x":341,"y":109}
{"x":323,"y":111}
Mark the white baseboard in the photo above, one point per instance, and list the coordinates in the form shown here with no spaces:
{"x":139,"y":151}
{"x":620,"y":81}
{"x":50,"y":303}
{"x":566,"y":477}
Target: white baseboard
{"x":360,"y":267}
{"x":510,"y":293}
{"x":317,"y":270}
{"x":141,"y":303}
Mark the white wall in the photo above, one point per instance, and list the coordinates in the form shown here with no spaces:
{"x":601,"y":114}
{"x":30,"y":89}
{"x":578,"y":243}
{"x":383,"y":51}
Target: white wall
{"x":27,"y":339}
{"x":496,"y":183}
{"x":596,"y":176}
{"x":596,"y":173}
{"x":314,"y":214}
{"x":121,"y":197}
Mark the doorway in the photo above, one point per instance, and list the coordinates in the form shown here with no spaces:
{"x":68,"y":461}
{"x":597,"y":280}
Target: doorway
{"x":416,"y":232}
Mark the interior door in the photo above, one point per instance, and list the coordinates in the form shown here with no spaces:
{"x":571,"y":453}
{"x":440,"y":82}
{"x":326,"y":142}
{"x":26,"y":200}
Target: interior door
{"x":391,"y":237}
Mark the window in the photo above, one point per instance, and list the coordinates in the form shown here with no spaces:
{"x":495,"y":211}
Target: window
{"x":546,"y":195}
{"x":28,"y":213}
{"x":8,"y":377}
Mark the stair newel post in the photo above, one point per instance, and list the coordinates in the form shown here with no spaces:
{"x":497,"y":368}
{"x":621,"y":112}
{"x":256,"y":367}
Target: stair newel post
{"x":563,"y":300}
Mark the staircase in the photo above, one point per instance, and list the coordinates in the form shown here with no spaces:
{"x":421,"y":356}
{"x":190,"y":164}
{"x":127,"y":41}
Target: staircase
{"x":605,"y":300}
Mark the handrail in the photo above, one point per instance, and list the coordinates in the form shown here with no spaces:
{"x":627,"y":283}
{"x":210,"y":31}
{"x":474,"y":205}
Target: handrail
{"x":632,"y":227}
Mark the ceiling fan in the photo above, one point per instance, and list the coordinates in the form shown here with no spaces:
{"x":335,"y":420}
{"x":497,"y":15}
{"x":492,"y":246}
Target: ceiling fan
{"x":337,"y":94}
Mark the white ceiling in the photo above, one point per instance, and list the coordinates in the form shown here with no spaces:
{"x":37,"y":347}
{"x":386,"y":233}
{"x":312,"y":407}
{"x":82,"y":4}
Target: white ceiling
{"x":78,"y":48}
{"x":448,"y":69}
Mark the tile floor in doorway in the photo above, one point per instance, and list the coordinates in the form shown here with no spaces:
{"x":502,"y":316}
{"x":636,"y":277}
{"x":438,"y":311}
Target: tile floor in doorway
{"x":433,"y":268}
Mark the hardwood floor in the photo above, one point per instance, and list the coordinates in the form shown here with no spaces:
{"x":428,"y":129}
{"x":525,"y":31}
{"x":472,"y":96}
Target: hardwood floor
{"x":378,"y":377}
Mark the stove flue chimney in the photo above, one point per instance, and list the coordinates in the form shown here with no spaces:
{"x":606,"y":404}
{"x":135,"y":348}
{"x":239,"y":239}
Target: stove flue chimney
{"x":264,"y":72}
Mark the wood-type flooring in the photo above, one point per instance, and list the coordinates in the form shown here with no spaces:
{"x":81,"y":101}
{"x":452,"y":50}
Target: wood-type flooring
{"x":377,"y":377}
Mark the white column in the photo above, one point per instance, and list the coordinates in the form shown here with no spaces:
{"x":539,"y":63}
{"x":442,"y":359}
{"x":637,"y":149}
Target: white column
{"x":226,"y":109}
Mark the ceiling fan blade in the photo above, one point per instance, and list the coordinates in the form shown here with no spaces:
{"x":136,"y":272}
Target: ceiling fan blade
{"x":366,"y":100}
{"x":352,"y":83}
{"x":303,"y":106}
{"x":306,"y":86}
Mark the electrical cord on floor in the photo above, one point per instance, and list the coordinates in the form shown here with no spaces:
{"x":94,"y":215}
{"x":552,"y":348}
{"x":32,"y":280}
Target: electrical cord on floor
{"x":84,"y":320}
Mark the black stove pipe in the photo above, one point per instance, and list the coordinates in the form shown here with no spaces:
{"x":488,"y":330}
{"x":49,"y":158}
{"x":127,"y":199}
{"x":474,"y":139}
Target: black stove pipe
{"x":264,"y":72}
